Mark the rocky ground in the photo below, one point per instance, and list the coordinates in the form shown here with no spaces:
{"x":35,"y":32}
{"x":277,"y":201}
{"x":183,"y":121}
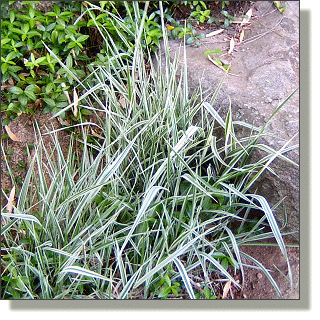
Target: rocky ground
{"x":264,"y":71}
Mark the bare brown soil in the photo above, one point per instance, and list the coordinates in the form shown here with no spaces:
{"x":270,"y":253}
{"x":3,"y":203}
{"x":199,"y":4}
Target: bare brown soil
{"x":257,"y":286}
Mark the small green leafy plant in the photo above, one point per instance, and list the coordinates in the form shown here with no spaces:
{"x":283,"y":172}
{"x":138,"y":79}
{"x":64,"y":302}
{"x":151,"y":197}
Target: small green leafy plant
{"x":193,"y":37}
{"x":205,"y":293}
{"x":279,"y":6}
{"x":199,"y":14}
{"x":224,"y":3}
{"x":228,"y":18}
{"x":166,"y":288}
{"x":216,"y":60}
{"x":30,"y":75}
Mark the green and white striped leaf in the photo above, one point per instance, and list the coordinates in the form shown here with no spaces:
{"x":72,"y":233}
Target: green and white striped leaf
{"x":220,"y":268}
{"x":275,"y":229}
{"x":184,"y":277}
{"x":175,"y":254}
{"x":144,"y":207}
{"x":27,"y":217}
{"x":61,"y":252}
{"x":84,"y":272}
{"x":197,"y":185}
{"x":236,"y":250}
{"x":181,"y":143}
{"x":128,"y":286}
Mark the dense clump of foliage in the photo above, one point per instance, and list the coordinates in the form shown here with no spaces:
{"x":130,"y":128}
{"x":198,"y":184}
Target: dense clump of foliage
{"x":151,"y":203}
{"x":32,"y":78}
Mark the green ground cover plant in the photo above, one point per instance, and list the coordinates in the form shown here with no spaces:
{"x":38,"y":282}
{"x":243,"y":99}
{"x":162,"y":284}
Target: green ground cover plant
{"x":153,"y":202}
{"x":31,"y":77}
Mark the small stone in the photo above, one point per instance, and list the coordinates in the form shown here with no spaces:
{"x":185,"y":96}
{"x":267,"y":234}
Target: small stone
{"x":268,"y":100}
{"x":259,"y":275}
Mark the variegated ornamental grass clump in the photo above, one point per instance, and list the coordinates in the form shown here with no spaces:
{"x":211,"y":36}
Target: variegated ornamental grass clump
{"x":151,"y":197}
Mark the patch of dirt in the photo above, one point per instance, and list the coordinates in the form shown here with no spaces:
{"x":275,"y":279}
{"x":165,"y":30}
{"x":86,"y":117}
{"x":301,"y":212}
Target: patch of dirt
{"x":235,"y":9}
{"x":43,"y":6}
{"x":257,"y":285}
{"x":24,"y":129}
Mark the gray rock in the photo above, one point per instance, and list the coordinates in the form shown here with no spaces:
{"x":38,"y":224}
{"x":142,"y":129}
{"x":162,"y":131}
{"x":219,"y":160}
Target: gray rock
{"x":264,"y":71}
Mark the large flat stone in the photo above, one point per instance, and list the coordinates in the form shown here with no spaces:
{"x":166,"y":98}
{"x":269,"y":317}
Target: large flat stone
{"x":264,"y":71}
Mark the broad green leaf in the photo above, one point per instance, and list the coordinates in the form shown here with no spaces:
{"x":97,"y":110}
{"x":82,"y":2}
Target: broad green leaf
{"x":15,"y":90}
{"x":164,"y":292}
{"x":49,"y":101}
{"x":16,"y":30}
{"x":31,"y":12}
{"x":23,"y":100}
{"x":82,"y":38}
{"x":31,"y":95}
{"x":4,"y":68}
{"x":11,"y":15}
{"x":14,"y":68}
{"x":50,"y":26}
{"x":69,"y":61}
{"x":11,"y":55}
{"x":39,"y":60}
{"x":4,"y":41}
{"x":33,"y":33}
{"x":190,"y":40}
{"x":25,"y":28}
